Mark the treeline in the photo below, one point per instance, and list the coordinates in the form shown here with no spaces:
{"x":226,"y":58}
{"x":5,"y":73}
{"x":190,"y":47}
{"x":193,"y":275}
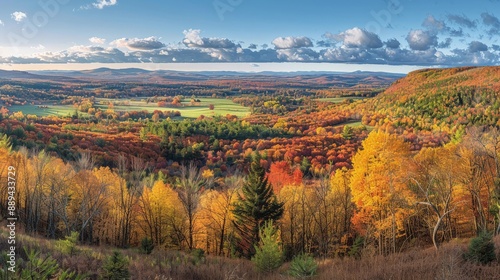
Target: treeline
{"x":218,"y":127}
{"x":392,"y":199}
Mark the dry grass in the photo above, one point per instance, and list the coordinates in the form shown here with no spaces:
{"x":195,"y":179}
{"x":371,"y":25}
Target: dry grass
{"x":447,"y":263}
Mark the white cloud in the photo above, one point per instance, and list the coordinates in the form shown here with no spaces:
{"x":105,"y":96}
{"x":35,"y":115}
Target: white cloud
{"x":18,"y":16}
{"x":101,"y":4}
{"x":357,"y":38}
{"x":351,"y":46}
{"x":97,"y":40}
{"x":300,"y":55}
{"x":193,"y":39}
{"x":292,"y":42}
{"x":39,"y":47}
{"x":1,"y":23}
{"x":420,"y":40}
{"x":150,"y":43}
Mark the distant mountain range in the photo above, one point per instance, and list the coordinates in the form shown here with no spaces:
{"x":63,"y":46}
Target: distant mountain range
{"x":135,"y":75}
{"x":23,"y":75}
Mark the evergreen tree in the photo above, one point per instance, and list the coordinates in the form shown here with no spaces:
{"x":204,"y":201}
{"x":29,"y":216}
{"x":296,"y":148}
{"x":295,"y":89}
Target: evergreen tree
{"x":305,"y":165}
{"x":268,"y":255}
{"x":116,"y":267}
{"x":5,"y":142}
{"x":481,"y":249}
{"x":256,"y":204}
{"x":347,"y":132}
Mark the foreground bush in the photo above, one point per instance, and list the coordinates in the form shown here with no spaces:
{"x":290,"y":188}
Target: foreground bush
{"x":481,"y":249}
{"x":68,"y":245}
{"x":147,"y":246}
{"x":303,"y":266}
{"x":37,"y":266}
{"x":116,"y":267}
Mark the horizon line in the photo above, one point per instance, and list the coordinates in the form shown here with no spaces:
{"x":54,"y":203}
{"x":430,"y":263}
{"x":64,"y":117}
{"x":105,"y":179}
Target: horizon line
{"x":243,"y":67}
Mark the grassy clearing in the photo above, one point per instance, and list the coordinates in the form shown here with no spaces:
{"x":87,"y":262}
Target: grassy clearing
{"x":355,"y":124}
{"x":221,"y":107}
{"x":52,"y":110}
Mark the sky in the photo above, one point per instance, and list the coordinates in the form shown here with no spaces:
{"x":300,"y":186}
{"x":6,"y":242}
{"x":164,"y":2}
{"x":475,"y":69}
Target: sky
{"x":385,"y":35}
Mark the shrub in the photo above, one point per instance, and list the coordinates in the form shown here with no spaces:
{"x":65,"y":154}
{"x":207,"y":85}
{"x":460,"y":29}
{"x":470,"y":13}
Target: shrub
{"x":357,"y":247}
{"x":147,"y":246}
{"x":116,"y":267}
{"x":68,"y":245}
{"x":268,"y":256}
{"x":303,"y":266}
{"x":37,"y":267}
{"x":198,"y":256}
{"x":481,"y":249}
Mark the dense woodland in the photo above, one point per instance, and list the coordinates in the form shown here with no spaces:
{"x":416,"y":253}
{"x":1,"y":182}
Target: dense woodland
{"x":415,"y":166}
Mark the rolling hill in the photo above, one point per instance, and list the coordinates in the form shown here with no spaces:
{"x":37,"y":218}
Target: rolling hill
{"x":441,"y":97}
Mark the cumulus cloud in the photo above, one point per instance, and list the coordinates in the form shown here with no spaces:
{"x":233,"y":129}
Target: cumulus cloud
{"x":392,"y":43}
{"x":101,"y":4}
{"x":463,"y":21}
{"x":384,"y":55}
{"x":193,"y":39}
{"x":476,"y":46}
{"x":491,"y":21}
{"x":18,"y":16}
{"x":97,"y":40}
{"x":434,"y":24}
{"x":420,"y":40}
{"x":297,"y":54}
{"x":1,"y":23}
{"x":465,"y":57}
{"x":79,"y":54}
{"x":351,"y":46}
{"x":358,"y":38}
{"x":150,"y":43}
{"x":292,"y":42}
{"x":446,"y":44}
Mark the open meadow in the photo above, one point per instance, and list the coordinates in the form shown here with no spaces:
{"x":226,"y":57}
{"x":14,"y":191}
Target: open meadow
{"x":221,"y":107}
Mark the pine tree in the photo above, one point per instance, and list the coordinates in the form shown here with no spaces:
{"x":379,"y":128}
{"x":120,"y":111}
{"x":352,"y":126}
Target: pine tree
{"x":5,"y":142}
{"x":256,"y":204}
{"x":268,"y":255}
{"x":116,"y":267}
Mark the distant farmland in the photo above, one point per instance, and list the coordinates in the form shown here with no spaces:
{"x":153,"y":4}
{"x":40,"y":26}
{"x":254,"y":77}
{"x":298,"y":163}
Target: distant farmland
{"x":221,"y":107}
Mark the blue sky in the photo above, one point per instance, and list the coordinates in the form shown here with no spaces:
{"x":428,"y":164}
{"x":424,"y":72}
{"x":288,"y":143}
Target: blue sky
{"x":375,"y":32}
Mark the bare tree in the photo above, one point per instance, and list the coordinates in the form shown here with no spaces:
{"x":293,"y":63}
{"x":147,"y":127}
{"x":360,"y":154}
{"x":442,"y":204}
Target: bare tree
{"x":189,"y":187}
{"x":441,"y":214}
{"x":133,"y":172}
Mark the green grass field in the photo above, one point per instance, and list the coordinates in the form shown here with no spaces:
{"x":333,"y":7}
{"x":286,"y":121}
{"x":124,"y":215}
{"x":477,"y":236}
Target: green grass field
{"x":52,"y":110}
{"x":221,"y":107}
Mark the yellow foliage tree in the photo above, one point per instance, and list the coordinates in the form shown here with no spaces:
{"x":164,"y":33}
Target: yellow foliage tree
{"x":160,"y":214}
{"x":379,"y":189}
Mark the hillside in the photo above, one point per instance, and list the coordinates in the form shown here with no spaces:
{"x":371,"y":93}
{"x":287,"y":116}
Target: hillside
{"x":440,"y":98}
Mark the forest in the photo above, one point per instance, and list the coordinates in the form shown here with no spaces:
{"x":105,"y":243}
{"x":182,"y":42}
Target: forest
{"x":318,"y":179}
